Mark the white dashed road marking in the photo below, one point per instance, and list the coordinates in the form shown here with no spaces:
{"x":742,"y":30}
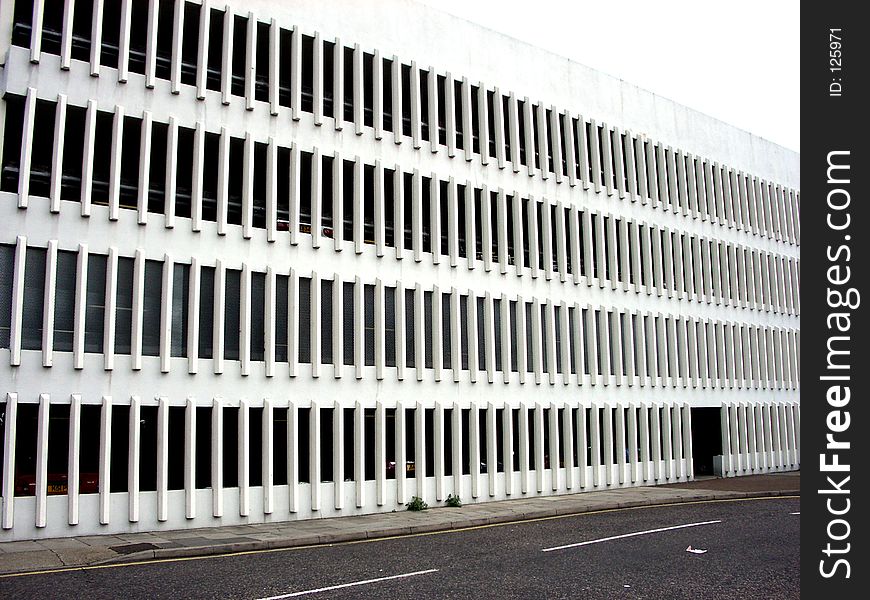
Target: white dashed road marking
{"x":627,"y":535}
{"x":346,"y":585}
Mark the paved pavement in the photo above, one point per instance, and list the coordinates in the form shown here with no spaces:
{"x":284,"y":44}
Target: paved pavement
{"x":24,"y":556}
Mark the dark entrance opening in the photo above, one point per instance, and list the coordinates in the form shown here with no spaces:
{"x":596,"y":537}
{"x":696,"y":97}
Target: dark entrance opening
{"x":706,"y":439}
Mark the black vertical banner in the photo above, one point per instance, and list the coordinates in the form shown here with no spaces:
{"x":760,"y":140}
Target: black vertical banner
{"x":835,"y":424}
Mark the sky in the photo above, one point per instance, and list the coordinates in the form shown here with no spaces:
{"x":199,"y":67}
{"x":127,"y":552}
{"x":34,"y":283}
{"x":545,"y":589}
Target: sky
{"x":737,"y":61}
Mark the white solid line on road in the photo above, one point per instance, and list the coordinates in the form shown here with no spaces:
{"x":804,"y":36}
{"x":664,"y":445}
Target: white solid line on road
{"x":345,"y":585}
{"x":797,"y":513}
{"x":627,"y":535}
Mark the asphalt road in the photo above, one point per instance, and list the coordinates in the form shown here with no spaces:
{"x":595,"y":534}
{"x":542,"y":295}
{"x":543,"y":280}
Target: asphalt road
{"x":751,"y":552}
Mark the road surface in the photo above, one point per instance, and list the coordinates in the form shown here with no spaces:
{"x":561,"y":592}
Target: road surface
{"x":751,"y":551}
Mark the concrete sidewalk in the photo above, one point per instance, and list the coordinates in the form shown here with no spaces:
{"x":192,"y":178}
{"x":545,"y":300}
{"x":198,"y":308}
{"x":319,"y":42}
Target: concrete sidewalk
{"x":23,"y":556}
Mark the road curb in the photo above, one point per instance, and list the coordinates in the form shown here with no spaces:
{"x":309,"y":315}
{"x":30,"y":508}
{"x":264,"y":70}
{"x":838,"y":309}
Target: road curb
{"x":402,"y":530}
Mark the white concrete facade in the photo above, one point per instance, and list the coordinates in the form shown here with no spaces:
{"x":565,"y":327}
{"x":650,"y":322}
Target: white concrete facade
{"x":221,"y":304}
